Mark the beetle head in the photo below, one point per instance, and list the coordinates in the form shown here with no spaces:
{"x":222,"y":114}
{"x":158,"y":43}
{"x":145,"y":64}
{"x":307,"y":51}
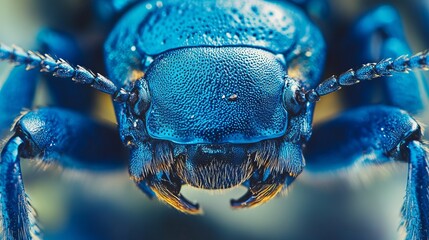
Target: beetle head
{"x":217,"y":119}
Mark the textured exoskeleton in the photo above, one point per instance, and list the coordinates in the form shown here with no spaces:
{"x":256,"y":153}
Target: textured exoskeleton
{"x":216,"y":94}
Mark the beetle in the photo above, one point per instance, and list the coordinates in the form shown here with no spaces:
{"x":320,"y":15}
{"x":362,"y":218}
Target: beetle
{"x":203,"y":103}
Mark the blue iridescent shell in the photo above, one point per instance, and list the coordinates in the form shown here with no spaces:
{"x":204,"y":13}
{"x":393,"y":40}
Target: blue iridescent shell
{"x":150,"y":29}
{"x":219,"y":23}
{"x":216,"y":95}
{"x":218,"y":67}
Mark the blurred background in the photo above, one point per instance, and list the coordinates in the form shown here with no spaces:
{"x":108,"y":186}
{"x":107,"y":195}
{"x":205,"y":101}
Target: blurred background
{"x":86,"y":205}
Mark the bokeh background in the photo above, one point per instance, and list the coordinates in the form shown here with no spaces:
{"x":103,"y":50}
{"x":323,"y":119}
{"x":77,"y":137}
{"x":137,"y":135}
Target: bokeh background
{"x":87,"y":205}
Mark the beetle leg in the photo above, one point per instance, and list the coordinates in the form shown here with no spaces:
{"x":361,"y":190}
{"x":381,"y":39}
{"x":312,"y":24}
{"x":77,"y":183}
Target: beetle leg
{"x":373,"y":136}
{"x":18,"y":218}
{"x":51,"y":136}
{"x":421,"y":10}
{"x":19,"y":87}
{"x":359,"y":137}
{"x":65,"y":93}
{"x":69,"y":139}
{"x":415,"y":210}
{"x":376,"y":36}
{"x":16,"y":94}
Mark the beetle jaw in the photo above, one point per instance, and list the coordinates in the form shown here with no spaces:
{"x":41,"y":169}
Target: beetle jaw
{"x":262,"y":167}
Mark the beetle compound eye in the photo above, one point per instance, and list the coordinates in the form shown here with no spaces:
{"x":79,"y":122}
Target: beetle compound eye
{"x":290,"y":91}
{"x":141,"y":97}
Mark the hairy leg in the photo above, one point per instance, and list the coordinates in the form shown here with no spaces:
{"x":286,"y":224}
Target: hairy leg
{"x":52,"y":136}
{"x":376,"y":135}
{"x":375,"y":36}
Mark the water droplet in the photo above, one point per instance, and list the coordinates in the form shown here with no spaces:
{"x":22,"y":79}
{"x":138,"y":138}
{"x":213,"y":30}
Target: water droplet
{"x":233,"y":97}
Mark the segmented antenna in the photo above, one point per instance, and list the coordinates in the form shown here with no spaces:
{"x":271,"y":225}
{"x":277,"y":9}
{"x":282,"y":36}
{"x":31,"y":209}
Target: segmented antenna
{"x":62,"y":69}
{"x":367,"y":72}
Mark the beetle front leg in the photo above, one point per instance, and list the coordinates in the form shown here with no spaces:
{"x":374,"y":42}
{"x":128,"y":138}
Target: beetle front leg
{"x":421,"y":8}
{"x":20,"y":85}
{"x":371,"y":136}
{"x":17,"y":219}
{"x":66,"y":93}
{"x":51,"y":136}
{"x":415,"y":210}
{"x":379,"y":35}
{"x":16,"y":94}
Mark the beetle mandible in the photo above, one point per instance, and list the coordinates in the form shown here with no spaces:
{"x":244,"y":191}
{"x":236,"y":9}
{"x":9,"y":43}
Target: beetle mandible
{"x":213,"y":94}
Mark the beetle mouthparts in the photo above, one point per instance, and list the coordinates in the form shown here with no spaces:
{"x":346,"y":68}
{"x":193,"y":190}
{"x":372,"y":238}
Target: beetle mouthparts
{"x":266,"y":169}
{"x":263,"y":186}
{"x":167,"y":188}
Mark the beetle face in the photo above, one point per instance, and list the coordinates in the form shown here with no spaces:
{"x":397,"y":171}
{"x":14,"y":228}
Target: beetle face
{"x":220,"y":108}
{"x":216,"y":120}
{"x":216,"y":95}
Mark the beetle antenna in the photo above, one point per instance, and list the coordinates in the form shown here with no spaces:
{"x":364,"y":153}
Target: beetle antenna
{"x":62,"y":69}
{"x":367,"y":72}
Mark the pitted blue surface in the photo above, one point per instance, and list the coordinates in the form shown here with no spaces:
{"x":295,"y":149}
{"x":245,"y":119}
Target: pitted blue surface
{"x":216,"y":95}
{"x":220,"y":23}
{"x":274,"y":26}
{"x":371,"y":129}
{"x":154,"y":27}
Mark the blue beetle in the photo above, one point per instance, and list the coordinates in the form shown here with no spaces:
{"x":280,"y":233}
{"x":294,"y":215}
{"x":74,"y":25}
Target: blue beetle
{"x":215,"y":94}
